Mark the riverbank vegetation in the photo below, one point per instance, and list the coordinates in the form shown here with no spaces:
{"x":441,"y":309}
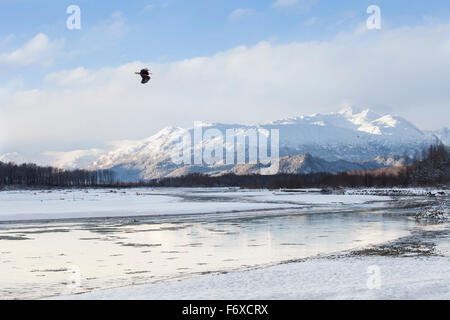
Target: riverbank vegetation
{"x":432,"y":168}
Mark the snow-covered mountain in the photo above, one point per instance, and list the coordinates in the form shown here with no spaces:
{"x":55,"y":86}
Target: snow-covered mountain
{"x":306,"y":163}
{"x":75,"y":159}
{"x":332,"y":142}
{"x":12,"y":157}
{"x":443,"y":135}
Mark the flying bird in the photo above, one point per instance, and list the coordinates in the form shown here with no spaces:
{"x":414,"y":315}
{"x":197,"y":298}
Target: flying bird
{"x":145,"y":74}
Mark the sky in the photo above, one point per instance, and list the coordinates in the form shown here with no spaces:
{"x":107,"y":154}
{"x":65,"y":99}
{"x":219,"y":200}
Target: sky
{"x":246,"y":61}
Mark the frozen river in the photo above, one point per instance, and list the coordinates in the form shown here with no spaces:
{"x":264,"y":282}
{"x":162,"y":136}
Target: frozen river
{"x":64,"y":242}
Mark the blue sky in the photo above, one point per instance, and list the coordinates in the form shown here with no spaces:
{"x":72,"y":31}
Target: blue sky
{"x":164,"y":30}
{"x":214,"y":60}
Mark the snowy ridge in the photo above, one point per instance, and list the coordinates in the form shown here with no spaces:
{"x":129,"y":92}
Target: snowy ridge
{"x":350,"y":139}
{"x":347,"y":140}
{"x":443,"y":135}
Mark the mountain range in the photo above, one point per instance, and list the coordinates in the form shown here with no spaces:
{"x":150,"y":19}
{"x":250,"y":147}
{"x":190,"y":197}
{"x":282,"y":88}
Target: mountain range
{"x":343,"y":141}
{"x":347,"y":140}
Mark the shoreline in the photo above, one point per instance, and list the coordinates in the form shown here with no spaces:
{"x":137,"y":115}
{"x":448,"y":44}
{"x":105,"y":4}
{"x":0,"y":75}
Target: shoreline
{"x":343,"y":278}
{"x":322,"y":230}
{"x":384,"y":271}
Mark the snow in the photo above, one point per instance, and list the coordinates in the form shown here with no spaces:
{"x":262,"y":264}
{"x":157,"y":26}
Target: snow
{"x":362,"y":119}
{"x":63,"y":204}
{"x":305,"y":198}
{"x":341,"y":278}
{"x":12,"y":157}
{"x":73,"y":159}
{"x":351,"y":135}
{"x":399,"y":191}
{"x":325,"y":271}
{"x":439,"y":213}
{"x":387,"y":121}
{"x":443,"y":135}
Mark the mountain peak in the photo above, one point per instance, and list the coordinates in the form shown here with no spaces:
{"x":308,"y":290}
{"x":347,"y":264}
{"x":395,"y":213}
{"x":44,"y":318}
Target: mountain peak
{"x":352,"y":110}
{"x":387,"y":120}
{"x":442,"y":134}
{"x":359,"y":113}
{"x":167,"y":131}
{"x":350,"y":134}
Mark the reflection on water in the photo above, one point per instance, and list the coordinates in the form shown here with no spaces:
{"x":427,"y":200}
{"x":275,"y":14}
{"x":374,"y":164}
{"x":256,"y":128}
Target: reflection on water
{"x":54,"y":258}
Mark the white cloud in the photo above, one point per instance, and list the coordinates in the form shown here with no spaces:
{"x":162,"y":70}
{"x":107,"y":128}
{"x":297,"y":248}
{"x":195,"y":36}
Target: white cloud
{"x":284,"y":3}
{"x":311,"y":21}
{"x":12,"y":157}
{"x":76,"y":76}
{"x":241,"y":13}
{"x":116,"y":26}
{"x":404,"y":71}
{"x":72,"y":159}
{"x":156,"y":4}
{"x":148,"y":7}
{"x":104,"y":34}
{"x":37,"y":50}
{"x":6,"y":39}
{"x":66,"y":160}
{"x":10,"y":87}
{"x":347,"y":16}
{"x":303,"y":5}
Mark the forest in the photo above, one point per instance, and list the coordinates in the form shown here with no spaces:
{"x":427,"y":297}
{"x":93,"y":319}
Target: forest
{"x":31,"y":175}
{"x":432,"y":168}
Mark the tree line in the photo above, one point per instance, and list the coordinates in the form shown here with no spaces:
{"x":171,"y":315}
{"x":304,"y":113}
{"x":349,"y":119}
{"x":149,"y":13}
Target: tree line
{"x":432,"y":168}
{"x":31,"y":175}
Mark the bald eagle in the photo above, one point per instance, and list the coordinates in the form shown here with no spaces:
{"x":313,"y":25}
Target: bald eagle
{"x":145,"y":74}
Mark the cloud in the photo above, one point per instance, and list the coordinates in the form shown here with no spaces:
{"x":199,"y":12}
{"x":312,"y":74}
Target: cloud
{"x":347,"y":16}
{"x":66,"y":160}
{"x":116,"y":26}
{"x":303,"y":5}
{"x":311,"y":21}
{"x":38,"y":50}
{"x":9,"y":88}
{"x":160,"y":4}
{"x":72,"y":159}
{"x":284,"y":3}
{"x":6,"y":39}
{"x":241,"y":13}
{"x":70,"y":77}
{"x":12,"y":157}
{"x":405,"y":71}
{"x":106,"y":33}
{"x":148,"y":7}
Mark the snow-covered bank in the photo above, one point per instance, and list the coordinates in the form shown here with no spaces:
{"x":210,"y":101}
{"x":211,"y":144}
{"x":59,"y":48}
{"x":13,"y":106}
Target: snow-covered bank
{"x":39,"y":257}
{"x":89,"y":203}
{"x":433,"y":192}
{"x":438,"y":213}
{"x":374,"y":277}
